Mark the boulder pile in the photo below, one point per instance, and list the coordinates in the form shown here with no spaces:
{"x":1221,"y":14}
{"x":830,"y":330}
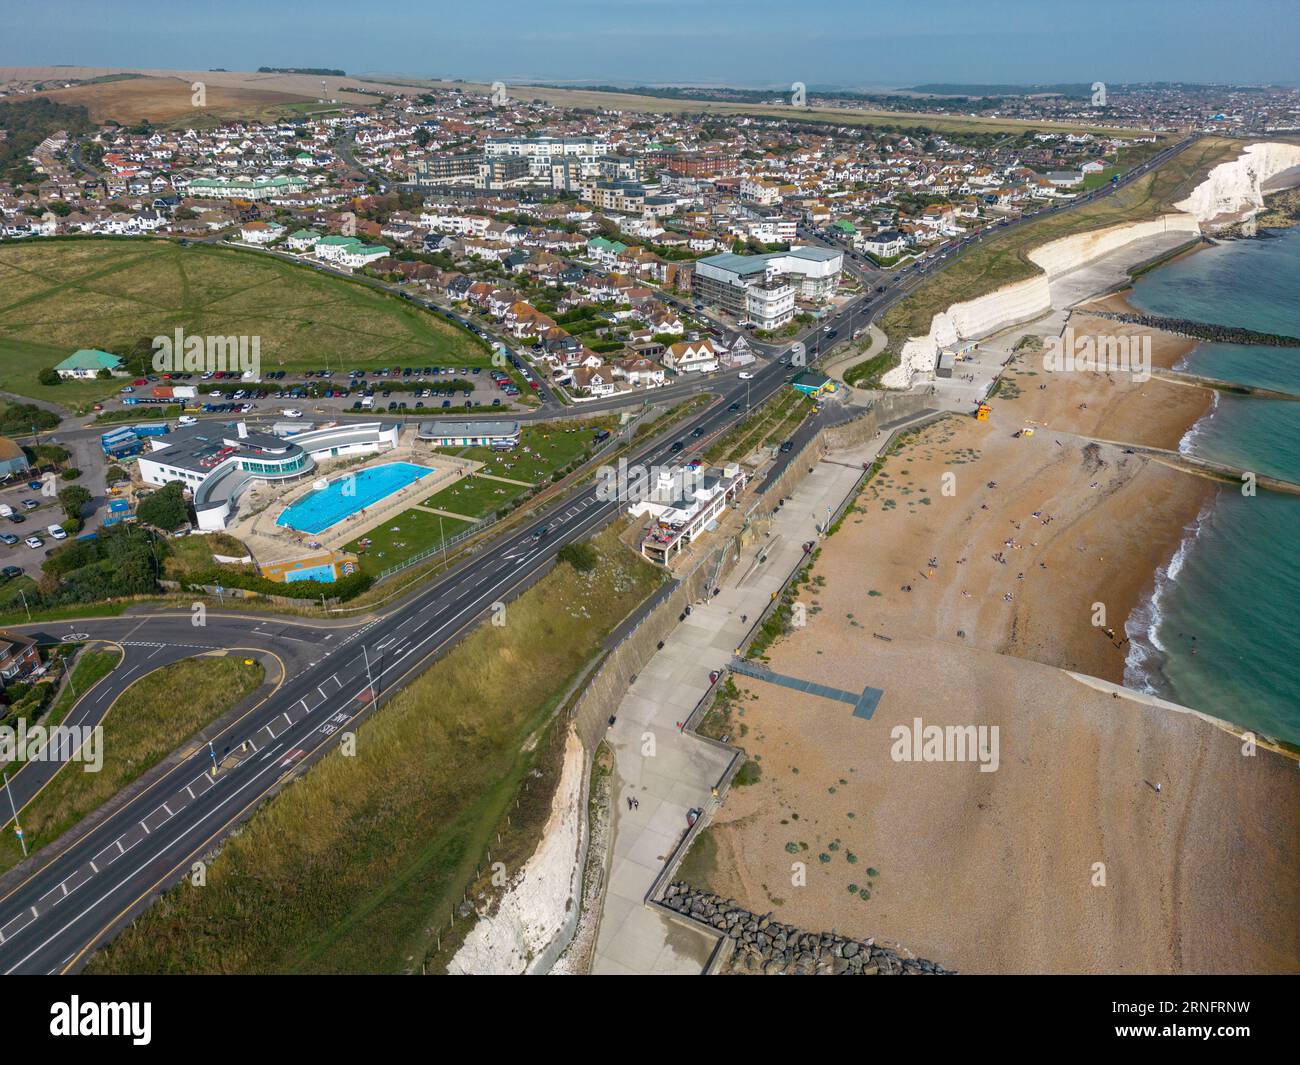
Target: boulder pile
{"x":771,"y":948}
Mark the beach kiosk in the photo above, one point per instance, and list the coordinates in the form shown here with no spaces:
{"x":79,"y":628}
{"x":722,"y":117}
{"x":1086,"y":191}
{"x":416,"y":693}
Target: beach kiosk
{"x":982,"y":412}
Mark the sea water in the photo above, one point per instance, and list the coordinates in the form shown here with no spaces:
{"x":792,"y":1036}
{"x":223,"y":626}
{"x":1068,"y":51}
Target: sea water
{"x":1222,"y":632}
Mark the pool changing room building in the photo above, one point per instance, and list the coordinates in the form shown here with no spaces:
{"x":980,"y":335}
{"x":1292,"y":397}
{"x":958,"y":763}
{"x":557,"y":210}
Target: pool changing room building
{"x":217,"y":464}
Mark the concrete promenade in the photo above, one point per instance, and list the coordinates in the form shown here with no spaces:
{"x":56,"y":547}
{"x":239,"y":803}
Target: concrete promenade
{"x":669,"y":772}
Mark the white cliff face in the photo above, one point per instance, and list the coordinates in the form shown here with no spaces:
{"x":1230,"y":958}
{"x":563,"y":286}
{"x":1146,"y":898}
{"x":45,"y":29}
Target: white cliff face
{"x":1233,"y":190}
{"x":540,"y":897}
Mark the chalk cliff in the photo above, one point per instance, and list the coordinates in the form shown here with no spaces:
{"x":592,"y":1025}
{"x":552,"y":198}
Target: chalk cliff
{"x":1234,"y":190}
{"x":1230,"y":190}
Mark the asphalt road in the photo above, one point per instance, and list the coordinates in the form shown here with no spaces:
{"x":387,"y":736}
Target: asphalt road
{"x":53,"y":913}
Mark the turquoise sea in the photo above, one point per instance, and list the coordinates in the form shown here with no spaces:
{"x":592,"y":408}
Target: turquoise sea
{"x":1222,"y":632}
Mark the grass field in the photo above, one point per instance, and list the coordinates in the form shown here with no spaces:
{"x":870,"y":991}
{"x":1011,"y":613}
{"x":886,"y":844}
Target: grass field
{"x":356,"y":866}
{"x":542,"y":449}
{"x":1001,"y":259}
{"x":404,"y":536}
{"x":60,"y":295}
{"x":145,"y":725}
{"x":475,"y":497}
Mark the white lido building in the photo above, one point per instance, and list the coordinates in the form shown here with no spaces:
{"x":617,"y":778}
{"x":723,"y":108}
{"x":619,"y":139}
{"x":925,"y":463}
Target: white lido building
{"x":217,"y":463}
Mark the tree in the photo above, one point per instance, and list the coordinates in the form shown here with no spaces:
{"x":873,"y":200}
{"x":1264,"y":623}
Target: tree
{"x":165,"y":508}
{"x":73,"y":499}
{"x":49,"y":376}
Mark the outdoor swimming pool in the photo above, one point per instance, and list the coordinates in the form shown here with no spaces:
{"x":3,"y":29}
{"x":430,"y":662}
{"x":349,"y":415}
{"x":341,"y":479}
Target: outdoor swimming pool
{"x":317,"y":511}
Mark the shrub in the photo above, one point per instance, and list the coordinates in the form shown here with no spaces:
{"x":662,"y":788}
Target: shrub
{"x":582,"y":557}
{"x":165,"y":508}
{"x":49,"y":376}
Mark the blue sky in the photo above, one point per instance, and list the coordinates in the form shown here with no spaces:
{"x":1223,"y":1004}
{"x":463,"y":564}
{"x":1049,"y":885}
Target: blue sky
{"x":740,"y":42}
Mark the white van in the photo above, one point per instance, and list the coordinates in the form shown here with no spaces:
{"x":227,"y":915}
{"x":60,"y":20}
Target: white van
{"x":6,"y":511}
{"x":186,"y":419}
{"x":56,"y":531}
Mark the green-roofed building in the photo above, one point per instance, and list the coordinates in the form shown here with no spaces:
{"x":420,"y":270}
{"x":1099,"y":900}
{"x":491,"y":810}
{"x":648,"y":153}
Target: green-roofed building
{"x":85,"y":363}
{"x":246,"y":188}
{"x":812,"y":383}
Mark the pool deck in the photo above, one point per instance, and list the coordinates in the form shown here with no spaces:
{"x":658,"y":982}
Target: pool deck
{"x":255,"y":523}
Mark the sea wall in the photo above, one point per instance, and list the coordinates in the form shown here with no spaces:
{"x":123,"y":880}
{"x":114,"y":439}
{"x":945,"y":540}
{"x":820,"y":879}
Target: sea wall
{"x":1023,"y":301}
{"x":1229,"y":192}
{"x":1234,"y":190}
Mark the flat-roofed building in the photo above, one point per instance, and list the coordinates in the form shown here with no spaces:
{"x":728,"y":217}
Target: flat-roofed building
{"x":473,"y":433}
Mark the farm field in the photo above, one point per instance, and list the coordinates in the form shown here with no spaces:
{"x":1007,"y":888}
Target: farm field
{"x":626,"y":101}
{"x":60,"y":295}
{"x":162,"y":100}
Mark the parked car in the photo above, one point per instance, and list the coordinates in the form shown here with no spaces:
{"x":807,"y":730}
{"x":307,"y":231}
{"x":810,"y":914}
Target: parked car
{"x":56,"y":531}
{"x":292,"y":412}
{"x":8,"y":538}
{"x":12,"y":571}
{"x":746,"y":376}
{"x":34,"y":542}
{"x":30,"y":504}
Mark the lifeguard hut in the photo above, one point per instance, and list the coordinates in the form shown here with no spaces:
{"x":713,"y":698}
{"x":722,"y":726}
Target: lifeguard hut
{"x":982,"y":412}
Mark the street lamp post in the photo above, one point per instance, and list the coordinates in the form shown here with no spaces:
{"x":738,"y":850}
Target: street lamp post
{"x":18,"y":829}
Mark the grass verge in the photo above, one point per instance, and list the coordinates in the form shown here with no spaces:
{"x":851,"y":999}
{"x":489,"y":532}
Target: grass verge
{"x":355,"y":866}
{"x":146,"y":724}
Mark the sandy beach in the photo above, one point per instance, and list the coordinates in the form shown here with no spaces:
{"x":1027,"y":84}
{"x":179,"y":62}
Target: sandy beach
{"x":978,"y":566}
{"x":997,"y":871}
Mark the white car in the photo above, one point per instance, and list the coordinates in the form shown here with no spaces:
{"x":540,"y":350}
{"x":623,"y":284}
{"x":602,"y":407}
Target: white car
{"x":187,"y":419}
{"x":57,"y":532}
{"x":34,"y":542}
{"x":292,"y":413}
{"x":746,"y":376}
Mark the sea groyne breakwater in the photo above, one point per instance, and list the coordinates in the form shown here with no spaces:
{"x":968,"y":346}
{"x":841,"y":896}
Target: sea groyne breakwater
{"x":1219,"y":334}
{"x":767,"y":947}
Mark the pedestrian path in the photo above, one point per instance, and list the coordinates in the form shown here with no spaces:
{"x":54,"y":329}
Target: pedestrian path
{"x":669,"y":772}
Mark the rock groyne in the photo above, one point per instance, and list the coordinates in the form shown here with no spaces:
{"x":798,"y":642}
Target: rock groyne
{"x":768,"y":947}
{"x":1185,"y":327}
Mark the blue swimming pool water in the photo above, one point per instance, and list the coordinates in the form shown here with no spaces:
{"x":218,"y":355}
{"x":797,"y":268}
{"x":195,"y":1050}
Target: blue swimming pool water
{"x":330,"y":505}
{"x":323,"y":572}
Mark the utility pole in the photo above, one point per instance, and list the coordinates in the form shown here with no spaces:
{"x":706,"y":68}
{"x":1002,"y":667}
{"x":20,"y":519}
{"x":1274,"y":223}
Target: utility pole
{"x":443,"y":540}
{"x":17,"y":827}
